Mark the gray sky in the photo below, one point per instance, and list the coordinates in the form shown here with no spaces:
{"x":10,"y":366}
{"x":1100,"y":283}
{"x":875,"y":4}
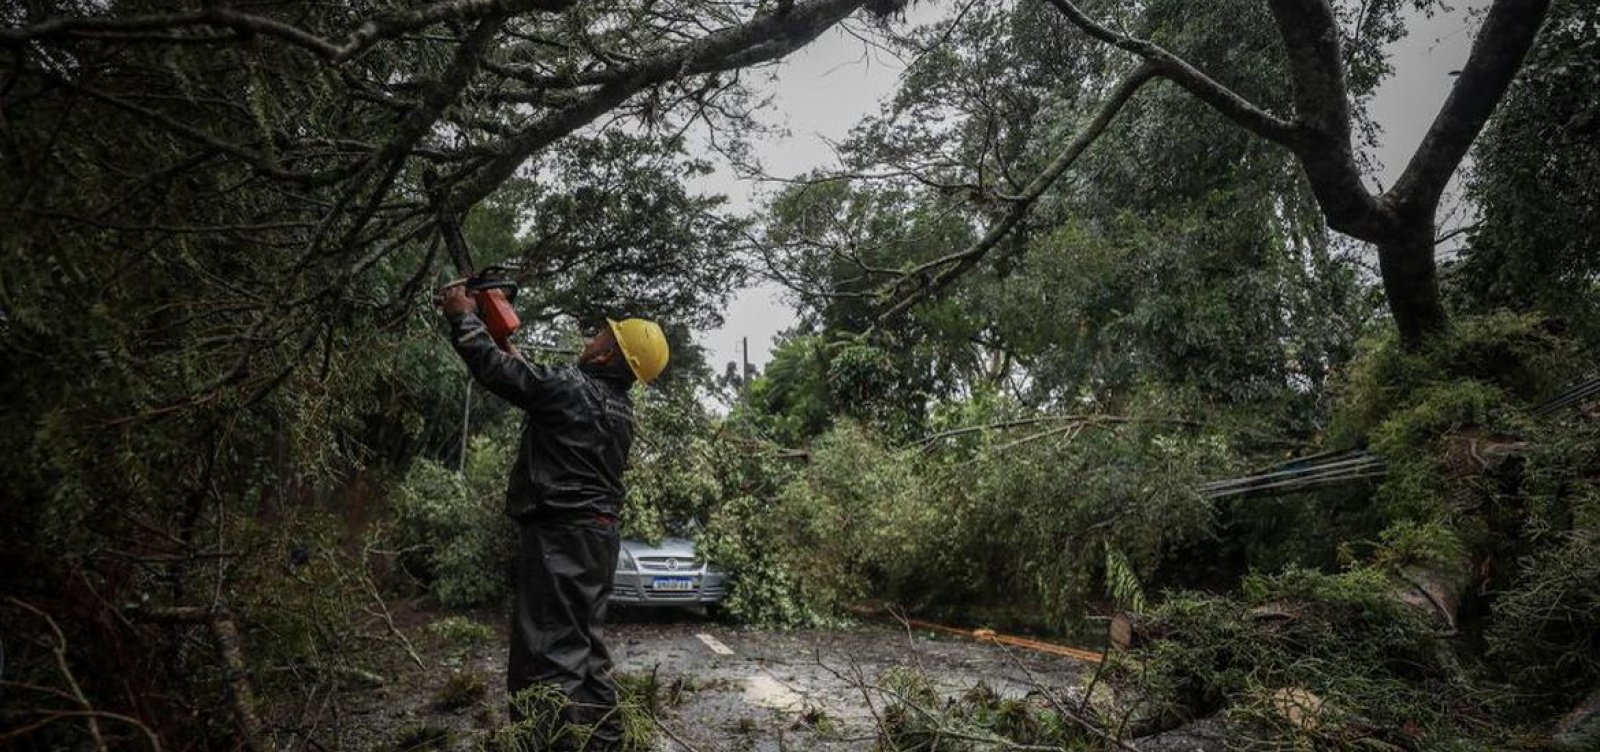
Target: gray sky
{"x":818,"y":94}
{"x":821,"y":91}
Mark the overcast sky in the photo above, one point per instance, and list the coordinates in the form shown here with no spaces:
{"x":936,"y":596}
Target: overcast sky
{"x":821,"y":91}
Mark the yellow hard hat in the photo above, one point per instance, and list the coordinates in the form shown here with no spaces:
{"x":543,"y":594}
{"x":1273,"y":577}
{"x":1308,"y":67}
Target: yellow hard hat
{"x":643,"y":345}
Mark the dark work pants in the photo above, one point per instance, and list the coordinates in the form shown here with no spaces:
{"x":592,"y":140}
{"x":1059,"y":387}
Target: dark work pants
{"x":563,"y":580}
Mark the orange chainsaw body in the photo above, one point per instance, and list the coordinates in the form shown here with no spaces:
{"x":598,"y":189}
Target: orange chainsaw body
{"x":498,"y":315}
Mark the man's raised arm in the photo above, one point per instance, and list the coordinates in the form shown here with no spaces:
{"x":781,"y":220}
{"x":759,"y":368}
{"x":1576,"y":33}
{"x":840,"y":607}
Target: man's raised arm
{"x":507,"y":376}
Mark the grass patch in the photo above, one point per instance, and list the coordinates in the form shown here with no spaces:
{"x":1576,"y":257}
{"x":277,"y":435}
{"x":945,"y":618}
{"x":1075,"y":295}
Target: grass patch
{"x":547,"y":718}
{"x":422,"y":737}
{"x":461,"y":630}
{"x":460,"y":690}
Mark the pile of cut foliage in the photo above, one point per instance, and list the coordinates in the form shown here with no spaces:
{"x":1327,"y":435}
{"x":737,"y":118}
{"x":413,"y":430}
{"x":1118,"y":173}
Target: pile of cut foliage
{"x":1466,"y":612}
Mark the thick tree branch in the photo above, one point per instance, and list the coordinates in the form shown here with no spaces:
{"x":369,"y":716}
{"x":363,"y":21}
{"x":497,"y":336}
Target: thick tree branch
{"x":947,"y":268}
{"x":219,"y":16}
{"x":1320,"y":138}
{"x":417,"y":123}
{"x":1322,"y":104}
{"x":1316,"y":66}
{"x":761,"y":53}
{"x":1503,"y":40}
{"x":773,"y":35}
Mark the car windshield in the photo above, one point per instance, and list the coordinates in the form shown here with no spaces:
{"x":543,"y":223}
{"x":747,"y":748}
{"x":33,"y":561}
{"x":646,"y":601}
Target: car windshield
{"x":689,"y":527}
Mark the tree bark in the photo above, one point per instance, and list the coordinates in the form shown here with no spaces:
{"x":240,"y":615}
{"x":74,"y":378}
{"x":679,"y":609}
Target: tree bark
{"x":1411,"y":283}
{"x":1400,"y":222}
{"x":225,"y":635}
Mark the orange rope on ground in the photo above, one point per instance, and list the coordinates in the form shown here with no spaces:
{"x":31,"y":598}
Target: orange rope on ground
{"x":989,"y":635}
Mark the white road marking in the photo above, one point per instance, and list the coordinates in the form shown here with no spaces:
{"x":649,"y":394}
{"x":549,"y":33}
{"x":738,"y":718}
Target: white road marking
{"x":715,"y":644}
{"x":764,"y":691}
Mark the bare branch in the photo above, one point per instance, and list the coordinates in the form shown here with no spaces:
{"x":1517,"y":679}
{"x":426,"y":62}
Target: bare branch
{"x":1076,"y":419}
{"x":1452,"y":234}
{"x":59,"y":648}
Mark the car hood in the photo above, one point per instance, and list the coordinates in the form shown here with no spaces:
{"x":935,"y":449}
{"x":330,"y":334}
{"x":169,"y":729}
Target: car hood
{"x":677,"y":548}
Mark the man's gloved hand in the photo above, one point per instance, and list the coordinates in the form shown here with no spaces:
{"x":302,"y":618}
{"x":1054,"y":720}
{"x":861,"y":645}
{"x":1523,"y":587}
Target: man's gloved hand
{"x":456,"y":301}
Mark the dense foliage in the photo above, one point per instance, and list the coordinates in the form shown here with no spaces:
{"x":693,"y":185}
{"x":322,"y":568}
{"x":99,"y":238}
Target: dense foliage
{"x":450,"y":527}
{"x":1535,"y":182}
{"x":230,"y":413}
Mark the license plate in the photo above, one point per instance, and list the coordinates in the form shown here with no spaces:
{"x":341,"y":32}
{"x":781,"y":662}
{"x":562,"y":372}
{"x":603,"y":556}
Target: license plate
{"x":676,"y":584}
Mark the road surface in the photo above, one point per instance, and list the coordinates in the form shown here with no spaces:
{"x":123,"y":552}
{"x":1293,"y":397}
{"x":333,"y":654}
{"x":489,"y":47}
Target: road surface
{"x":723,"y":688}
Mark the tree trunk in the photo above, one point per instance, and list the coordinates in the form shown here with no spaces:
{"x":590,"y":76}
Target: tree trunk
{"x":1436,"y":589}
{"x":1411,"y":283}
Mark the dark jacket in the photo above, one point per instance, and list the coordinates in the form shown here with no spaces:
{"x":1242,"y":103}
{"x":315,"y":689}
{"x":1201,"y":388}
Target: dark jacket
{"x":576,"y":429}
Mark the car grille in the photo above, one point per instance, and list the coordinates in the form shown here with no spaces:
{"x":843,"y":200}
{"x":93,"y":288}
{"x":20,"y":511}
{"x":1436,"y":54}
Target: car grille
{"x":631,"y":588}
{"x":661,"y":564}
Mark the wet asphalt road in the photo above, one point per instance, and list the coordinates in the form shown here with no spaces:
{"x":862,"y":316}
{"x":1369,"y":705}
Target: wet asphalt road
{"x":802,"y":690}
{"x":723,"y":688}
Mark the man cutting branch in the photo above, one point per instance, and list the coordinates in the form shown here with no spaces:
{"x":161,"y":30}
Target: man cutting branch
{"x":565,"y":494}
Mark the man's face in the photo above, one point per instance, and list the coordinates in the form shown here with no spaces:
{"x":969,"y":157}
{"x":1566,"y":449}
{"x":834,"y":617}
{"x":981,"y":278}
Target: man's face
{"x":602,"y":347}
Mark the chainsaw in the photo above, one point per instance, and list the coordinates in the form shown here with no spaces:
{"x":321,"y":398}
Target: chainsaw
{"x":491,"y":287}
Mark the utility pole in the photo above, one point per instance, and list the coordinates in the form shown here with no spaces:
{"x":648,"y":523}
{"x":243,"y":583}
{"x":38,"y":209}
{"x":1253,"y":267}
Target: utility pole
{"x":466,"y":418}
{"x":744,"y":373}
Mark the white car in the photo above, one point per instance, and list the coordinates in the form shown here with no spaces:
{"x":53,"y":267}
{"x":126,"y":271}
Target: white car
{"x":667,"y":574}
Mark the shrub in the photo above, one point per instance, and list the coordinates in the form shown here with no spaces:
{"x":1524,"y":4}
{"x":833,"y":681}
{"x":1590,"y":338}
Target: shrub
{"x":1508,"y":352}
{"x":451,"y":527}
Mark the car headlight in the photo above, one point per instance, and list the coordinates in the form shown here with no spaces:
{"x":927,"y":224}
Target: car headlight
{"x":627,"y":564}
